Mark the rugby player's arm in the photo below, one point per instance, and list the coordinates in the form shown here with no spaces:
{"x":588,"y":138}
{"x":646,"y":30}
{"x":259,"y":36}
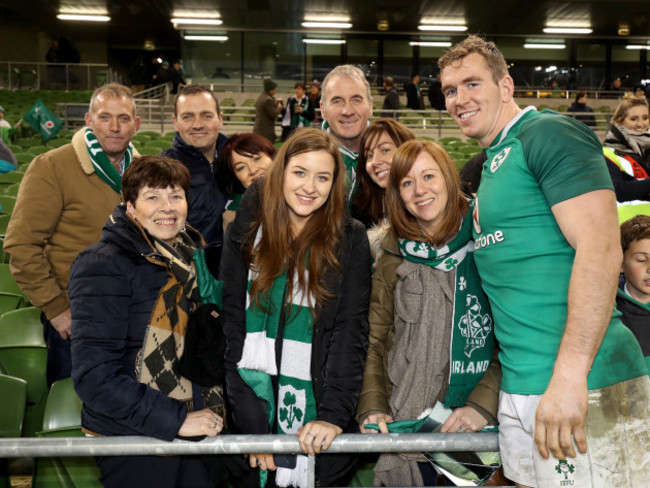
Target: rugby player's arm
{"x":589,"y":223}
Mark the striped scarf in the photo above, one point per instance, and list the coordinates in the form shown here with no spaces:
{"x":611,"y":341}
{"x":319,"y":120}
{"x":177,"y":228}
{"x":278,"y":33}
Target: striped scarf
{"x":472,"y":336}
{"x":103,"y":167}
{"x":296,"y":403}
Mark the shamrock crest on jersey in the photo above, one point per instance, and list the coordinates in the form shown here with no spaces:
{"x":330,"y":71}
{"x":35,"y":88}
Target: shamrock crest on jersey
{"x":474,"y":326}
{"x":498,"y":160}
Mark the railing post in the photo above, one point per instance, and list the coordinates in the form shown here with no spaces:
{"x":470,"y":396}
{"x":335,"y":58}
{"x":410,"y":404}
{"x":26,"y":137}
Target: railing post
{"x":311,"y":471}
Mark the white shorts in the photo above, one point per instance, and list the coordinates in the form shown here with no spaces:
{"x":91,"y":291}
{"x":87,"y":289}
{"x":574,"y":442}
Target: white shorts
{"x":618,"y":440}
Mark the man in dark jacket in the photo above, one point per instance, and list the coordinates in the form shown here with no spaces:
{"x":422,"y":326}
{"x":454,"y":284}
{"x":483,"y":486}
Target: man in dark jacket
{"x":391,"y":100}
{"x":413,"y":100}
{"x":436,"y":98}
{"x":198,"y":120}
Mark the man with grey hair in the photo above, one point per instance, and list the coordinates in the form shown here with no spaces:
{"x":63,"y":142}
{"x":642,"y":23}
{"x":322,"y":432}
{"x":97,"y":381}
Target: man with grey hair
{"x":64,"y":200}
{"x":346,"y":106}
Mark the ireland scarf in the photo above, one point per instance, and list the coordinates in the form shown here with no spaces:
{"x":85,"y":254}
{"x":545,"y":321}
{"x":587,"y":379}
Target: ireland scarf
{"x":233,"y":203}
{"x":350,"y":161}
{"x":103,"y":167}
{"x":257,"y":364}
{"x":472,"y":336}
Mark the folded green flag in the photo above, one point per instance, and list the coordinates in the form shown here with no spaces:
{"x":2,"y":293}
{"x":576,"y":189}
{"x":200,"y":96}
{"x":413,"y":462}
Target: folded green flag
{"x":472,"y":467}
{"x":41,"y":119}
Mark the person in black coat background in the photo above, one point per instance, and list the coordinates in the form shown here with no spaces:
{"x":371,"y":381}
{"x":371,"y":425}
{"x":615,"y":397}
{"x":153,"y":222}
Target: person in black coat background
{"x":413,"y":99}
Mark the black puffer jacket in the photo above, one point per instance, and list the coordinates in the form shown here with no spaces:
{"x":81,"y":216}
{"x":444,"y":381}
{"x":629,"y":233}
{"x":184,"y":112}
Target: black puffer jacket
{"x":340,"y":335}
{"x":205,"y":202}
{"x":113,"y":288}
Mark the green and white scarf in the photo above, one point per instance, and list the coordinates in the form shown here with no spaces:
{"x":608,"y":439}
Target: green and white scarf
{"x":103,"y":167}
{"x":297,"y":405}
{"x":472,"y":336}
{"x":350,"y":159}
{"x":233,"y":203}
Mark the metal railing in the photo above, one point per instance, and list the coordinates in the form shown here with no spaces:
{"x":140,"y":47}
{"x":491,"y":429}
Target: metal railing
{"x":55,"y":76}
{"x":243,"y":444}
{"x":156,"y":112}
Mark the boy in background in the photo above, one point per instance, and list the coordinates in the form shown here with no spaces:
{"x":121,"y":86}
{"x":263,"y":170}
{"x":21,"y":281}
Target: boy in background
{"x":633,"y":297}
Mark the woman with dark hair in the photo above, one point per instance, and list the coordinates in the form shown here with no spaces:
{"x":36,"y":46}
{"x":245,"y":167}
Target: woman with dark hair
{"x":296,"y":273}
{"x":243,"y":159}
{"x":627,"y":150}
{"x":431,"y":333}
{"x":379,"y":141}
{"x":131,"y":295}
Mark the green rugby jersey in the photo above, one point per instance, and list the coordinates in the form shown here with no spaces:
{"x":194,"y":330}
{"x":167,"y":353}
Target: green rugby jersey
{"x":537,"y":161}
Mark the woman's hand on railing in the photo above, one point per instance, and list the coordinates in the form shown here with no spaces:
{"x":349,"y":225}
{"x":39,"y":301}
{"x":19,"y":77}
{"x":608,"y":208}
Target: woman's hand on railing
{"x":381,"y":419}
{"x":464,"y":419}
{"x":201,"y":422}
{"x":262,"y":461}
{"x":317,"y":436}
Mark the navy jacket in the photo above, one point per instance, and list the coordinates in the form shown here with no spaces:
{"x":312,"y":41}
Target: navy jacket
{"x":205,"y":201}
{"x":113,"y":289}
{"x":339,"y":343}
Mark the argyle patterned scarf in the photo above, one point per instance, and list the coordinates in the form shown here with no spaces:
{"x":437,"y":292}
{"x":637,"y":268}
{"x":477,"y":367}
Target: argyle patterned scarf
{"x":164,"y":341}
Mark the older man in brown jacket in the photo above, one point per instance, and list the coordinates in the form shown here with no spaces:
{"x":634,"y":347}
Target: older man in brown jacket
{"x":63,"y":202}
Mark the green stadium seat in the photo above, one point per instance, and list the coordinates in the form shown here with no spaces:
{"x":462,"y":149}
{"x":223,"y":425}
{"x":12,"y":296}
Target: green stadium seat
{"x":7,"y":203}
{"x":11,"y":189}
{"x":24,"y":157}
{"x":4,"y":257}
{"x":36,"y":150}
{"x":7,"y":282}
{"x":12,"y":412}
{"x":22,"y":327}
{"x":23,"y":354}
{"x":62,"y":417}
{"x":152,"y":135}
{"x":449,"y":140}
{"x":29,"y":364}
{"x":11,"y":177}
{"x":4,"y":222}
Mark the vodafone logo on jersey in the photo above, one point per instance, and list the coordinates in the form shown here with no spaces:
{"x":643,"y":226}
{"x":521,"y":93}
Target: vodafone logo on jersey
{"x":498,"y":160}
{"x":477,"y":224}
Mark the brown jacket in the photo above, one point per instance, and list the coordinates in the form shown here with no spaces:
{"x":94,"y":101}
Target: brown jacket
{"x":266,"y":111}
{"x":377,"y":388}
{"x":61,"y":208}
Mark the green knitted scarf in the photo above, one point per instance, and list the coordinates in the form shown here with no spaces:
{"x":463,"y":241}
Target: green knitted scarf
{"x":233,"y":203}
{"x":103,"y":167}
{"x":296,"y":403}
{"x":472,"y":336}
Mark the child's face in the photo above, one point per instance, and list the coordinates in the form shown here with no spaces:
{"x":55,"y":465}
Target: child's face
{"x":636,"y":267}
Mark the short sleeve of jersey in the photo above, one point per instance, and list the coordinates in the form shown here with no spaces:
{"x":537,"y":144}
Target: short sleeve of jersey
{"x":565,"y":156}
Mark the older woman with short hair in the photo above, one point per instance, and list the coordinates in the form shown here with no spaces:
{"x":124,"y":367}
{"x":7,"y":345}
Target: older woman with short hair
{"x":131,"y":294}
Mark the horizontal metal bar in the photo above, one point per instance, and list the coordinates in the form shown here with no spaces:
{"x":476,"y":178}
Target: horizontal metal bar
{"x":240,"y":444}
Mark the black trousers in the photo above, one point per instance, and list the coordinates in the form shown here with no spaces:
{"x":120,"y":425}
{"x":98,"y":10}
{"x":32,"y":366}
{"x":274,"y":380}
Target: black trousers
{"x":59,"y":358}
{"x":158,"y":471}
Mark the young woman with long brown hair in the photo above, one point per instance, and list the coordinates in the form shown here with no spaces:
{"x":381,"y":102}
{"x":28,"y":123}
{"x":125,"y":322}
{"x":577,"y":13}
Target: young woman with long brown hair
{"x":296,"y":272}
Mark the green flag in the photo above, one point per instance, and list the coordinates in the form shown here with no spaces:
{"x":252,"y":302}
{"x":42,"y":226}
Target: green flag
{"x":44,"y":121}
